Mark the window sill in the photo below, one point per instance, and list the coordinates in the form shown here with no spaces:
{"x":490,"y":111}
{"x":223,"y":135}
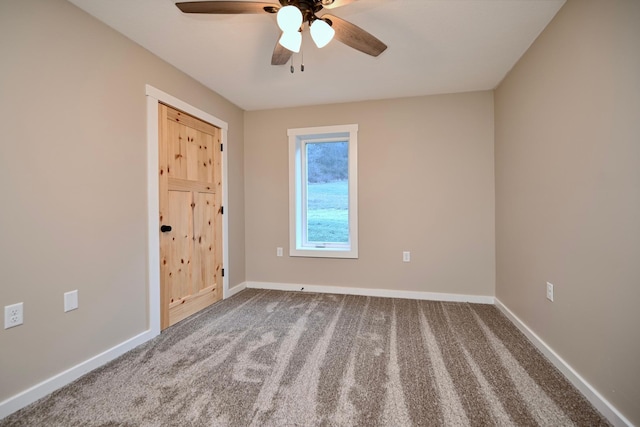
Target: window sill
{"x":324,"y":253}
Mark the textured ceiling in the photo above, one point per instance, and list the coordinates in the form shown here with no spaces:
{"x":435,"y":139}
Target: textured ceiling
{"x":434,"y":46}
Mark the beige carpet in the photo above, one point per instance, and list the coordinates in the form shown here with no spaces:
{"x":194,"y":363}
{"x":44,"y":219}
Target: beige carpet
{"x":268,"y":358}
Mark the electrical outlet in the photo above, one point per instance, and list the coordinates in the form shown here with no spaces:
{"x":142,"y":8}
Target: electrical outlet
{"x":13,"y":315}
{"x":550,"y":291}
{"x":279,"y":251}
{"x":406,"y":256}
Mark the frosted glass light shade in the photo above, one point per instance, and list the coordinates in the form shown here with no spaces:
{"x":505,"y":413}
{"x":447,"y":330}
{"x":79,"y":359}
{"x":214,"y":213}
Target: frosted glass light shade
{"x":291,"y":40}
{"x":289,"y":18}
{"x":321,"y":33}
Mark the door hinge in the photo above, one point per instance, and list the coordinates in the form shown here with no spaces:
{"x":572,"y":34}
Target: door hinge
{"x":223,"y":272}
{"x":221,"y":147}
{"x":221,"y":210}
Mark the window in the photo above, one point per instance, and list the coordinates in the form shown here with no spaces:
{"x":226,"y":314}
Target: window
{"x":323,"y":192}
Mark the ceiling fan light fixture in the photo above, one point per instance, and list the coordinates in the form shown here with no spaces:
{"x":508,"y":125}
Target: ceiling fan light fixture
{"x":291,"y":40}
{"x":289,"y":19}
{"x":321,"y":33}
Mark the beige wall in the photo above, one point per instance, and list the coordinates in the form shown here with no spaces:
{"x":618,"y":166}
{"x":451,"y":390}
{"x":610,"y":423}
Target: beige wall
{"x":568,"y":193}
{"x":567,"y":174}
{"x":73,"y":213}
{"x":426,"y":185}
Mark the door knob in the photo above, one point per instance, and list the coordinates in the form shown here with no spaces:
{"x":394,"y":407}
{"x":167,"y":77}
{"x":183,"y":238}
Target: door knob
{"x":165,"y":228}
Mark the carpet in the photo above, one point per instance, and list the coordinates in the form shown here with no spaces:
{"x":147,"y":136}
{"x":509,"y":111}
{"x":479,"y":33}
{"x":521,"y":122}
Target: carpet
{"x":271,"y":358}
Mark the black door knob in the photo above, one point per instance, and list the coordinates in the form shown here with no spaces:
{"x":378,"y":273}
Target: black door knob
{"x":165,"y":228}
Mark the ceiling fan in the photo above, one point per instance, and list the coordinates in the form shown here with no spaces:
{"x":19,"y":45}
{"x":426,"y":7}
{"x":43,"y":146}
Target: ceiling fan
{"x":291,"y":17}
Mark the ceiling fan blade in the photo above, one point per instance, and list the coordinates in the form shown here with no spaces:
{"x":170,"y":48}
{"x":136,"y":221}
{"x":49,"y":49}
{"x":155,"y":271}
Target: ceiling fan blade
{"x":337,"y":3}
{"x":225,"y":7}
{"x":355,"y":37}
{"x":281,"y":55}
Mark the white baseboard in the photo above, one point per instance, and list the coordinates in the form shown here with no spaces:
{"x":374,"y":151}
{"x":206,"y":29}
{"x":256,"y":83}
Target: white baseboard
{"x":385,"y":293}
{"x":47,"y":386}
{"x":591,"y":394}
{"x":237,"y":288}
{"x":40,"y":390}
{"x":50,"y":385}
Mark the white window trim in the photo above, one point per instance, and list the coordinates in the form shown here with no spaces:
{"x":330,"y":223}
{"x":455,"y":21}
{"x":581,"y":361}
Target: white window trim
{"x":298,"y":137}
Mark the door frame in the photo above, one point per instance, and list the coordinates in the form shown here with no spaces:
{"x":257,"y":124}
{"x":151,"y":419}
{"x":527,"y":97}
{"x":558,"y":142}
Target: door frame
{"x":154,"y":96}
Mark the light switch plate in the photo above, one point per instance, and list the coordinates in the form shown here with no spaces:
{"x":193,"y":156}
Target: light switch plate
{"x":550,"y":291}
{"x":70,"y":300}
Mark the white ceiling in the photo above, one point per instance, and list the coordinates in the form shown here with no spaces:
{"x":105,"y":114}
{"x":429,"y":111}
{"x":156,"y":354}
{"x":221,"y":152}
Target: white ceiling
{"x":434,"y":46}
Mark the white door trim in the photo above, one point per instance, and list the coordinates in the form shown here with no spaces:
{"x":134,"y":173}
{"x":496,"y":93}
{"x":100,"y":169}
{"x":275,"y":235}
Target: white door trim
{"x":153,"y":199}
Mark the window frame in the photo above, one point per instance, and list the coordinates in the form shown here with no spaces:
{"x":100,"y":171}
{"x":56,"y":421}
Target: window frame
{"x":298,"y":140}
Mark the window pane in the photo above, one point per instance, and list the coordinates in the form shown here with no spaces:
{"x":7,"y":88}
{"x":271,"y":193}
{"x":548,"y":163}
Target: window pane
{"x":328,"y":192}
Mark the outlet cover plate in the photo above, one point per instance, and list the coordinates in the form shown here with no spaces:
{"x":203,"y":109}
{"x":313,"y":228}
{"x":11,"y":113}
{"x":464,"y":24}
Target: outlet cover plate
{"x":406,"y":256}
{"x":550,"y":291}
{"x":13,"y":315}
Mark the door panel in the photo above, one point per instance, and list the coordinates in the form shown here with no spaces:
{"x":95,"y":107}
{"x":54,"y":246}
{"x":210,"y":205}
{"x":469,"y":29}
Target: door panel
{"x":190,"y":202}
{"x":176,"y":146}
{"x":179,"y":245}
{"x":204,"y":272}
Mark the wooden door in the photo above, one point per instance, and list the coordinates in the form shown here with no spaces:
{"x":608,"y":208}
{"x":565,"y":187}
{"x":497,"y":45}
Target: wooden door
{"x":191,"y":204}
